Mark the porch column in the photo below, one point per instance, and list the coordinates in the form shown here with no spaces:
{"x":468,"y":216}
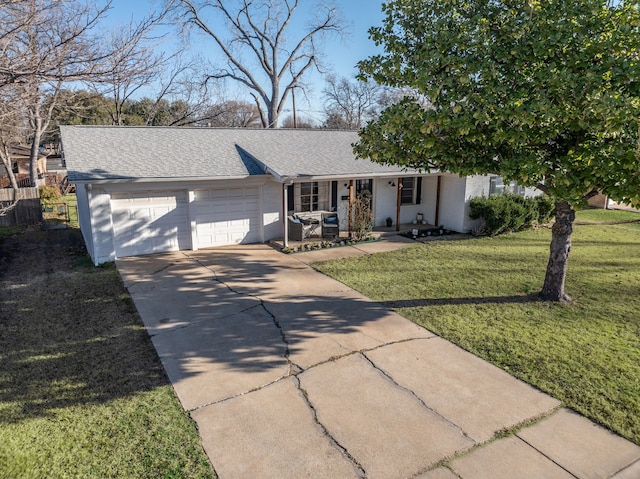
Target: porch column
{"x":285,"y":223}
{"x":350,"y":206}
{"x":437,"y":218}
{"x":398,"y":202}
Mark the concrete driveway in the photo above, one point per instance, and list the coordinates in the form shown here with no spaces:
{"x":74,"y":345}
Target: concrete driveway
{"x":290,"y":374}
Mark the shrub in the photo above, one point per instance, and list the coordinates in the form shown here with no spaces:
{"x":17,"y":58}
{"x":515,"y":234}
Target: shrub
{"x":50,"y":194}
{"x":362,"y":216}
{"x":505,"y":213}
{"x":546,"y":208}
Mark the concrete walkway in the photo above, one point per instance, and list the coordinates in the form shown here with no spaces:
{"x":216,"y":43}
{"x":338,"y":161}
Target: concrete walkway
{"x":290,"y":374}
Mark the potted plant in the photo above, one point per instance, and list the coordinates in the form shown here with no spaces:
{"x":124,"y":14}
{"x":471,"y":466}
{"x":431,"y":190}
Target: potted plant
{"x":389,"y":221}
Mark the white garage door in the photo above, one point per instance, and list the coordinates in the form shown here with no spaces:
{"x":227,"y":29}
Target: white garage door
{"x":150,"y":222}
{"x":227,"y":216}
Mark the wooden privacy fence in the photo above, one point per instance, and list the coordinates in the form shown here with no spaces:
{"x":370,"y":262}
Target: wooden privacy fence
{"x":23,"y":179}
{"x":25,"y":212}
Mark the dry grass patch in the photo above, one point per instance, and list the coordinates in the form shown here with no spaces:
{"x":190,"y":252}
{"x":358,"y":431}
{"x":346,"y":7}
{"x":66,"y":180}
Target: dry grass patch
{"x":82,"y":391}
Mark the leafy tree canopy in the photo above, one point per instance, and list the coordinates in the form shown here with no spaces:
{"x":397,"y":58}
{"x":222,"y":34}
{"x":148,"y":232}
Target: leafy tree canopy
{"x":546,"y":93}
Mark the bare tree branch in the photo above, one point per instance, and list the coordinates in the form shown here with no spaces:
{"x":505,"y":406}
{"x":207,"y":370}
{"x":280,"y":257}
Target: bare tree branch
{"x":259,"y":32}
{"x":350,"y":103}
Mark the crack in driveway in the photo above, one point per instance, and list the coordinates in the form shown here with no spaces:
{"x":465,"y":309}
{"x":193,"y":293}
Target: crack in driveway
{"x":416,"y":397}
{"x":294,"y":369}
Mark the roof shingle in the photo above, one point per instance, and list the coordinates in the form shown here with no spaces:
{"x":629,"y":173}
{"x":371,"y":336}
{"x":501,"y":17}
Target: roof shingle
{"x":157,"y":153}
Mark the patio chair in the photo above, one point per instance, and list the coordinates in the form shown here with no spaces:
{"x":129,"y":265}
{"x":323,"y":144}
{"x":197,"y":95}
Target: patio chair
{"x":330,"y":225}
{"x":299,"y":230}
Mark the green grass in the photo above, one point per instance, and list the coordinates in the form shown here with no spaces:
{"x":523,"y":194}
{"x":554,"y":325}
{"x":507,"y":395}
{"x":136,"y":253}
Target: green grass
{"x":480,"y":294}
{"x":606,"y":216}
{"x":9,"y":231}
{"x":82,"y":391}
{"x":72,"y":203}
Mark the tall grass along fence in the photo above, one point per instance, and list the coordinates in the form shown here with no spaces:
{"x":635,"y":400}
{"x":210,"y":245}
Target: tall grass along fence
{"x":25,"y":212}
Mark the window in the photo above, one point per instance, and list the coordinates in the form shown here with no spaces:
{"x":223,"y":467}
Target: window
{"x":411,"y":193}
{"x":309,"y":196}
{"x":364,"y":186}
{"x":497,"y":187}
{"x":406,"y":195}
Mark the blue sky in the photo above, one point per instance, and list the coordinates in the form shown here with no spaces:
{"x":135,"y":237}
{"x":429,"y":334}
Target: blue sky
{"x":341,"y":55}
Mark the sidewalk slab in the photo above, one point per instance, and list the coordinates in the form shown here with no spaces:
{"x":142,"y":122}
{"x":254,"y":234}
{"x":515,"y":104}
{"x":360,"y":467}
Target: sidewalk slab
{"x":440,"y":473}
{"x":171,"y":291}
{"x":388,"y":431}
{"x":476,"y":396}
{"x":631,"y":472}
{"x":580,"y":446}
{"x":323,"y":327}
{"x":221,"y":358}
{"x":507,"y":459}
{"x":270,"y":434}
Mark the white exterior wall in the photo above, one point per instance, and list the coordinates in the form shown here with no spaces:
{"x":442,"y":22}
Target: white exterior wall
{"x":343,"y":205}
{"x":271,"y":206}
{"x":84,"y":218}
{"x":429,"y":198}
{"x":453,"y":202}
{"x":384,"y":204}
{"x":531,"y":192}
{"x":101,"y":225}
{"x":475,"y":186}
{"x":95,"y":213}
{"x":386,"y":197}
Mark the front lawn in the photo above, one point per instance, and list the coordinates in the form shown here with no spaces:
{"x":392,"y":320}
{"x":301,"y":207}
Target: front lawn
{"x":480,"y":294}
{"x":82,"y":391}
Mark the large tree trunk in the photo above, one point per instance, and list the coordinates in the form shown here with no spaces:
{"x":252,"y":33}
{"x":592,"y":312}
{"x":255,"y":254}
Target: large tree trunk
{"x":553,"y":288}
{"x":35,"y":154}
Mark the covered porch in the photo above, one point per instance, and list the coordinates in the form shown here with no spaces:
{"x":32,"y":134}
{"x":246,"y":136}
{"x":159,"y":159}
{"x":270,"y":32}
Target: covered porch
{"x":397,"y":204}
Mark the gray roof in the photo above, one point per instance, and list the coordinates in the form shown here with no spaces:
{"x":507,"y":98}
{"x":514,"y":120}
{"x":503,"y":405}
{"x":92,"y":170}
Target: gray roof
{"x":94,"y":153}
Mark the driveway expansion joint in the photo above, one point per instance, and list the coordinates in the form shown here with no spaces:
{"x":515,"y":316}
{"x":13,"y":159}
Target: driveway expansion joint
{"x":338,"y":357}
{"x":244,"y":393}
{"x":546,"y":456}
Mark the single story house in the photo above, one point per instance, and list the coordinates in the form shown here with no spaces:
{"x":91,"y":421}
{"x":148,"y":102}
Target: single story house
{"x":20,"y":157}
{"x":147,"y":190}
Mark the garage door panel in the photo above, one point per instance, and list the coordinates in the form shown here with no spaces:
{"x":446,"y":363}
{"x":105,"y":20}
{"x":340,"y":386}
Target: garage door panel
{"x":227,"y":216}
{"x":149,"y":222}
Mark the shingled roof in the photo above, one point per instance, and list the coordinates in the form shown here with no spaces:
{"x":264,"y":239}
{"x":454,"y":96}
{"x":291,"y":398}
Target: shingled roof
{"x":107,"y":153}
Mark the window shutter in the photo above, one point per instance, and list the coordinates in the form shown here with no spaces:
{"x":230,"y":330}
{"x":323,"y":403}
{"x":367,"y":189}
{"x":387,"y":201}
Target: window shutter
{"x":419,"y":190}
{"x":291,"y":205}
{"x":334,"y":196}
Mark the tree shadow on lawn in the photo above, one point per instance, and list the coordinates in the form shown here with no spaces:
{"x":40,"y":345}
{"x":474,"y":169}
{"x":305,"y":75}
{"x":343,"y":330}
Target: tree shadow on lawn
{"x":71,"y":336}
{"x":68,"y":335}
{"x":416,"y":303}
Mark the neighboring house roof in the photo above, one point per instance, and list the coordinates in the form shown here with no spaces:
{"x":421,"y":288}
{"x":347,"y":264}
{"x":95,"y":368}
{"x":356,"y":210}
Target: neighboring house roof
{"x":22,"y":155}
{"x":94,"y":153}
